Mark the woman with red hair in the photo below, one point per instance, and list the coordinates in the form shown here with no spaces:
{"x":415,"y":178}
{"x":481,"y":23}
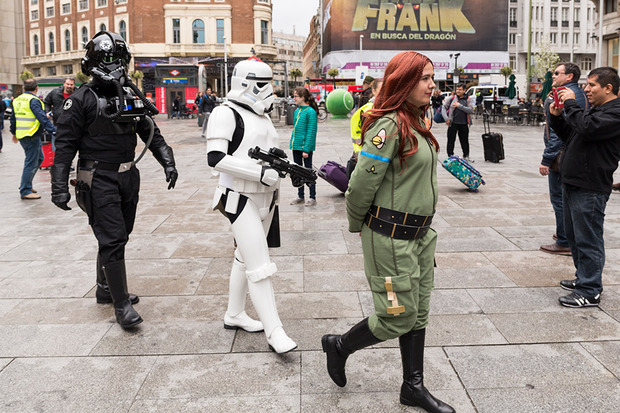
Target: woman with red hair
{"x":391,"y":201}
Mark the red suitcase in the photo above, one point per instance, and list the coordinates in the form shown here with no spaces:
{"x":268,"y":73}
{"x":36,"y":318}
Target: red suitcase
{"x":48,"y":153}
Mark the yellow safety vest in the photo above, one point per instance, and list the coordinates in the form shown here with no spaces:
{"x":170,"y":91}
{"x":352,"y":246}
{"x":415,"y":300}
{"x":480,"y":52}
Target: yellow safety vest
{"x":356,"y":126}
{"x":26,"y":124}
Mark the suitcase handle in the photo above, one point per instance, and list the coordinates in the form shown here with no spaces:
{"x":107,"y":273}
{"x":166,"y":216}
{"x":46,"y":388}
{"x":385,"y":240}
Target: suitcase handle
{"x":486,"y":121}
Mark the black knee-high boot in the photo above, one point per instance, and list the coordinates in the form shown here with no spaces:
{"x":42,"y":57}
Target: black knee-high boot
{"x":413,"y":392}
{"x":103,"y":291}
{"x":338,"y":348}
{"x":116,"y":276}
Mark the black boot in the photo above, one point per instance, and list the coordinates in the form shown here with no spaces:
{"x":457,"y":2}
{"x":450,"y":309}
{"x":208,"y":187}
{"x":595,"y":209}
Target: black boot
{"x":338,"y":348}
{"x":103,"y":291}
{"x":413,"y":392}
{"x":115,"y":274}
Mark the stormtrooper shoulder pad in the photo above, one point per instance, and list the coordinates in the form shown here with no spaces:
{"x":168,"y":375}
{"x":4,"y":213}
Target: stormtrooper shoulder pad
{"x":221,"y":124}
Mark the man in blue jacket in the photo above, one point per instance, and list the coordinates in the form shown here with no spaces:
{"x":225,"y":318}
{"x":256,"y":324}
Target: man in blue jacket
{"x":27,"y":123}
{"x":566,"y":74}
{"x":591,"y":156}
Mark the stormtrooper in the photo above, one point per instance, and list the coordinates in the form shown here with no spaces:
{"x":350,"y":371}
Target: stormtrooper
{"x":247,"y":195}
{"x":100,"y":121}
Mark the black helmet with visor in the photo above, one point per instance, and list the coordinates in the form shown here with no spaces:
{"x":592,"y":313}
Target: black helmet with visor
{"x":107,"y":57}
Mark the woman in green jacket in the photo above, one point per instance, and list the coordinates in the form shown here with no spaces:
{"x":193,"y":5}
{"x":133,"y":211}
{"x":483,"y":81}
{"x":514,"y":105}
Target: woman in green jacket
{"x":391,"y":200}
{"x":303,"y":138}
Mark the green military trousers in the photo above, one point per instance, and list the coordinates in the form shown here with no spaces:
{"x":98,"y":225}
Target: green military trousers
{"x":401,"y":276}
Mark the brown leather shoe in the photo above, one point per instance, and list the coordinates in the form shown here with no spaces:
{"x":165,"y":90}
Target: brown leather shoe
{"x":31,"y":196}
{"x":616,"y":187}
{"x":555,"y":249}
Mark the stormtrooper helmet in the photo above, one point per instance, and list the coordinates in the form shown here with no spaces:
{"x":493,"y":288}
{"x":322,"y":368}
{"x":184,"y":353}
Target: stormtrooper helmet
{"x":251,"y":85}
{"x":107,"y":57}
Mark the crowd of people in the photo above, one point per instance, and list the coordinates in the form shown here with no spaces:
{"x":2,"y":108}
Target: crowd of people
{"x":390,"y":201}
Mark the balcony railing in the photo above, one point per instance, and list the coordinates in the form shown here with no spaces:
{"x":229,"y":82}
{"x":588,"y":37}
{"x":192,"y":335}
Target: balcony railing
{"x":554,"y":23}
{"x":53,"y":57}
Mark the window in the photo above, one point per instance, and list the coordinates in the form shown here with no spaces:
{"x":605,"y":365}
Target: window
{"x":84,"y":36}
{"x":49,"y":11}
{"x":66,"y":8}
{"x":612,"y":52}
{"x":512,"y":60}
{"x":35,"y":44}
{"x":82,"y":5}
{"x":553,"y":38}
{"x":176,"y":30}
{"x":554,"y":16}
{"x":122,"y":29}
{"x":120,"y":1}
{"x":51,"y":71}
{"x":512,"y":38}
{"x":102,"y":27}
{"x":219,"y":23}
{"x":34,"y":2}
{"x":67,"y":40}
{"x":36,"y":72}
{"x":513,"y":16}
{"x":102,"y":3}
{"x":611,"y":6}
{"x":565,"y":13}
{"x":34,"y":14}
{"x":264,"y":32}
{"x":576,"y":38}
{"x":67,"y":69}
{"x":576,"y":13}
{"x":586,"y":63}
{"x":564,"y":38}
{"x":198,"y":31}
{"x":52,"y":49}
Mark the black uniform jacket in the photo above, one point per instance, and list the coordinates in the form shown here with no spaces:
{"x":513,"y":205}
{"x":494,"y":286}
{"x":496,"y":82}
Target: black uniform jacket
{"x":592,"y":141}
{"x":96,"y":138}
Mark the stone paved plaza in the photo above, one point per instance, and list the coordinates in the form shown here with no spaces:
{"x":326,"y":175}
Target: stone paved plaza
{"x":498,"y":341}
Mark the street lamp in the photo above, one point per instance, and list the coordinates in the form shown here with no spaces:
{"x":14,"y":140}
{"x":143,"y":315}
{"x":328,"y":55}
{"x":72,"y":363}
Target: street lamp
{"x":518,"y":36}
{"x":457,"y":73}
{"x":225,"y":68}
{"x":361,"y":38}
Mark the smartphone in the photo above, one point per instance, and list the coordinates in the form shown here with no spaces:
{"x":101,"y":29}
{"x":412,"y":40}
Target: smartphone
{"x":556,"y":98}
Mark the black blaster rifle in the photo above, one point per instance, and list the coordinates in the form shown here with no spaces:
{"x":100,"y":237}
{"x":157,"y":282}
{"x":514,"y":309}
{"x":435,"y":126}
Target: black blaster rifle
{"x":276,"y":158}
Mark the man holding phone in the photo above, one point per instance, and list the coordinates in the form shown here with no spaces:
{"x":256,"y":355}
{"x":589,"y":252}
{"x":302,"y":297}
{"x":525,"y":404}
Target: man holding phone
{"x":591,"y":155}
{"x":565,"y":75}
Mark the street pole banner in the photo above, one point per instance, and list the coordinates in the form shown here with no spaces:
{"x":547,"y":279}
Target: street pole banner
{"x":464,"y":25}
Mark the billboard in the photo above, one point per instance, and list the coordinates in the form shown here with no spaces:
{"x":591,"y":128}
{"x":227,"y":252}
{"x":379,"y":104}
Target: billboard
{"x":463,"y":25}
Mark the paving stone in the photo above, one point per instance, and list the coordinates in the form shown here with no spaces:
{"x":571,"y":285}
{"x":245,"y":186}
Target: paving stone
{"x":607,"y":353}
{"x":517,"y":300}
{"x":7,"y":304}
{"x":50,"y":339}
{"x":453,"y":302}
{"x":4,"y":362}
{"x":527,"y":366}
{"x":51,"y":311}
{"x":199,"y":376}
{"x":574,"y":324}
{"x":45,"y":287}
{"x":72,"y":384}
{"x":533,"y":269}
{"x":239,"y":403}
{"x":471,"y":239}
{"x":462,"y":329}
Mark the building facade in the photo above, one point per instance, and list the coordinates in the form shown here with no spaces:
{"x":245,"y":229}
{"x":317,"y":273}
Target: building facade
{"x":312,"y":49}
{"x":566,"y":27}
{"x":609,"y":32}
{"x":290,"y":50}
{"x":168,"y":39}
{"x":12,"y":46}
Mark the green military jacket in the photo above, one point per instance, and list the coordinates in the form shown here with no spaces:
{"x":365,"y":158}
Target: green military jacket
{"x":378,"y":178}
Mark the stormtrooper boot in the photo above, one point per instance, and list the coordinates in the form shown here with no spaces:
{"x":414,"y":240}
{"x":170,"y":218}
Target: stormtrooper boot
{"x":103,"y":291}
{"x":116,"y":276}
{"x":236,"y":316}
{"x":264,"y":302}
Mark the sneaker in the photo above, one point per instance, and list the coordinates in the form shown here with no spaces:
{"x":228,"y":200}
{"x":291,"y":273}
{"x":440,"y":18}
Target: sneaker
{"x":31,"y":196}
{"x":311,"y":202}
{"x":576,"y":300}
{"x":297,"y":201}
{"x":468,"y":159}
{"x":568,"y":284}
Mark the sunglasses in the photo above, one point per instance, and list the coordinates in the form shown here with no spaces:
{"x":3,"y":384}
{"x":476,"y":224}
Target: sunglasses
{"x":558,"y":73}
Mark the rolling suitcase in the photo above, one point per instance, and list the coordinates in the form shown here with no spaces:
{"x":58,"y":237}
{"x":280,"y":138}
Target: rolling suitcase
{"x":492,"y":142}
{"x":464,"y":172}
{"x":48,"y":153}
{"x":335,"y":174}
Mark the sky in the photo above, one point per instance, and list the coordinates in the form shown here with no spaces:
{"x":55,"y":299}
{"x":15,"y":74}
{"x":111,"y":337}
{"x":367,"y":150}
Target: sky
{"x":293,"y":13}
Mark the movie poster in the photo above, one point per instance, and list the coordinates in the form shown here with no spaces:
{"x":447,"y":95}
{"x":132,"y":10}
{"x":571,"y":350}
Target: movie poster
{"x":464,"y":25}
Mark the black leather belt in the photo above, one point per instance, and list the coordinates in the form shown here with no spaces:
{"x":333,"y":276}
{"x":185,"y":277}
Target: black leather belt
{"x":106,"y":166}
{"x":396,"y":224}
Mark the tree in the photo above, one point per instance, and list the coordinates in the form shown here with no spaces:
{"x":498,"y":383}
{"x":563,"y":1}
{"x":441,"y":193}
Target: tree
{"x":333,"y":73}
{"x":545,"y":59}
{"x":136,"y":77}
{"x":506,"y":71}
{"x":81,"y":77}
{"x":25,"y":75}
{"x":295,"y":72}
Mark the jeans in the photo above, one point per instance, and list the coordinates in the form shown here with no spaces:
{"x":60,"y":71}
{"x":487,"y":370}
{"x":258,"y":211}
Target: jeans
{"x":32,"y":162}
{"x":307,"y":162}
{"x":463,"y":131}
{"x":555,"y":195}
{"x":584,"y":216}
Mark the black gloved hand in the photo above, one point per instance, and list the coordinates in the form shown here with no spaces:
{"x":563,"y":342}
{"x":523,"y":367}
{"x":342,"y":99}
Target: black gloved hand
{"x":59,"y":174}
{"x":61,"y":200}
{"x":171,"y":176}
{"x":165,"y":157}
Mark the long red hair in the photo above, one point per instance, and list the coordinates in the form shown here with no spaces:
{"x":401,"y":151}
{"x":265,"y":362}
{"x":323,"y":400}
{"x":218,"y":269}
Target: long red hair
{"x":402,"y":75}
